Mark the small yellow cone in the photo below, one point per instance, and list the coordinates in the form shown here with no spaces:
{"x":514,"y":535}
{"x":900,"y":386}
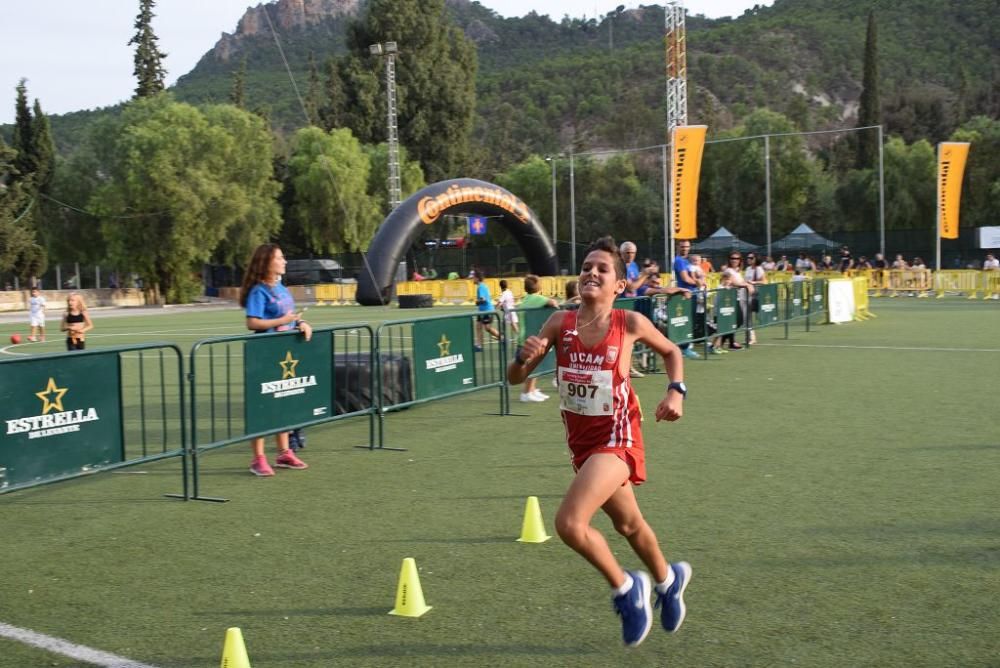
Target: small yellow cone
{"x":409,"y":595}
{"x":234,"y":652}
{"x":532,"y":530}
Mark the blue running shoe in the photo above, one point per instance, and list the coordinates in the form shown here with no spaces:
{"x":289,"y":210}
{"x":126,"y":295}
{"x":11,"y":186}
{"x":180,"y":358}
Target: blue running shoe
{"x":691,"y":353}
{"x":671,"y":603}
{"x":633,"y":608}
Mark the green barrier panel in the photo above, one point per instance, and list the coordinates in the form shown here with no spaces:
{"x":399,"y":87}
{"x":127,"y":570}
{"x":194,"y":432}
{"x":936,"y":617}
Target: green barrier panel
{"x":767,"y":301}
{"x":725,"y":310}
{"x":817,"y":303}
{"x":531,"y":321}
{"x":250,"y":386}
{"x":796,"y":308}
{"x":56,"y":423}
{"x":66,"y":415}
{"x":680,"y":318}
{"x":443,"y":357}
{"x":402,"y":339}
{"x":287,"y":380}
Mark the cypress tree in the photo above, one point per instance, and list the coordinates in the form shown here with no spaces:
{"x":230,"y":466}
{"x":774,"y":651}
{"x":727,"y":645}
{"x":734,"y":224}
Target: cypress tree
{"x":314,"y":93}
{"x":24,"y":164}
{"x":149,"y":72}
{"x":237,"y":95}
{"x":43,"y":149}
{"x":331,"y":114}
{"x":870,"y":111}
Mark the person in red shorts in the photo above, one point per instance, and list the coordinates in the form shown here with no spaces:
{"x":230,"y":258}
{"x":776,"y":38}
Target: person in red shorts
{"x":602,"y":418}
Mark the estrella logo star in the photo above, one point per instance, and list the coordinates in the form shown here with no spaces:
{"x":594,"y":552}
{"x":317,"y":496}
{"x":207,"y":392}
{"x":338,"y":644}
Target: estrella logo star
{"x":288,"y":366}
{"x":50,"y":404}
{"x":444,"y":346}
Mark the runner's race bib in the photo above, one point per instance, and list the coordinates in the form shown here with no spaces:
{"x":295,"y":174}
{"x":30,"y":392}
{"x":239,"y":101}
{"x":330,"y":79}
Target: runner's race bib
{"x":585,"y":392}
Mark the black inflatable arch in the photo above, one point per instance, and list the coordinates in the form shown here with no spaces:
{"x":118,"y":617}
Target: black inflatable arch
{"x":427,"y":206}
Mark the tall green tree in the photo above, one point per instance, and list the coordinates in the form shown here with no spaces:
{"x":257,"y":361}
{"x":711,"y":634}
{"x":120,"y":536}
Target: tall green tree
{"x":314,"y":93}
{"x":329,"y":177}
{"x":870,"y":110}
{"x":435,"y":74}
{"x":180,"y":183}
{"x":19,"y":251}
{"x":411,"y":177}
{"x":21,"y":141}
{"x":148,"y":59}
{"x":331,"y":113}
{"x":237,"y":94}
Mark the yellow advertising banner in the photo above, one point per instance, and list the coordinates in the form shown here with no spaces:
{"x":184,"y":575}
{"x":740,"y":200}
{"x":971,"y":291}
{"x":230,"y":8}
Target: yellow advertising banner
{"x":951,"y":168}
{"x":688,"y":145}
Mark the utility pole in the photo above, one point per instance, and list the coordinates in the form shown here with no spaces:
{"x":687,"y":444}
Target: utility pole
{"x":389,"y":50}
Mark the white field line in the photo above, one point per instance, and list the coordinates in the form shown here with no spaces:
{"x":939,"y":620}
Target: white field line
{"x":66,"y":648}
{"x":916,"y":348}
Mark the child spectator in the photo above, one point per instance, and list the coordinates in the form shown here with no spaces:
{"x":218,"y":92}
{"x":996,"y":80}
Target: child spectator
{"x":76,"y":322}
{"x":36,"y":315}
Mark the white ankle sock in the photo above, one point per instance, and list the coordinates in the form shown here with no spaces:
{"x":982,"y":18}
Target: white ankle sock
{"x":662,"y":587}
{"x":621,"y":591}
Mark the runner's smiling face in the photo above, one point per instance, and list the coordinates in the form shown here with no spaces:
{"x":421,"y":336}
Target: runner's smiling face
{"x":599,"y":278}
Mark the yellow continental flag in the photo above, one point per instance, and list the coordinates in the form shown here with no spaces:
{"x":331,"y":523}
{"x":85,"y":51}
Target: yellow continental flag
{"x":951,"y":167}
{"x":688,"y":147}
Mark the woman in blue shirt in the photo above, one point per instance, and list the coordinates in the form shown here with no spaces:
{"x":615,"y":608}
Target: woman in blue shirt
{"x":270,"y":308}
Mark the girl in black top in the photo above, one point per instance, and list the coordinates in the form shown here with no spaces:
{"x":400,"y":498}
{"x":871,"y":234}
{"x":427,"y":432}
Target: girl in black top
{"x":76,"y":322}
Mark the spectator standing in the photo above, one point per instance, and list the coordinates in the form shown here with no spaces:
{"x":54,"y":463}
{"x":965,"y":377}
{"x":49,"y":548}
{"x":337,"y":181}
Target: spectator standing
{"x":826,"y":264}
{"x":804,"y":263}
{"x":706,"y":266}
{"x":484,"y":303}
{"x":685,"y":280}
{"x":754,"y":275}
{"x":505,"y":303}
{"x":769,"y":264}
{"x":991,"y":264}
{"x":76,"y":322}
{"x":531,"y":299}
{"x":269,"y":307}
{"x":36,"y":315}
{"x":633,"y":276}
{"x":899,"y":262}
{"x":784,"y":264}
{"x":846,"y":261}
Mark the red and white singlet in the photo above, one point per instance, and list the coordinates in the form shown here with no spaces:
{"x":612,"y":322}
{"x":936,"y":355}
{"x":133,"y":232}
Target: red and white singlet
{"x":599,"y":407}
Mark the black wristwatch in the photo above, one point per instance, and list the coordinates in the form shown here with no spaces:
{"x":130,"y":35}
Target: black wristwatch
{"x":680,"y":387}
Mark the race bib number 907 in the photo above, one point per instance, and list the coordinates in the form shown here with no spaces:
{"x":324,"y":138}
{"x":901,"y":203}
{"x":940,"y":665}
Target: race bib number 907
{"x":585,"y":392}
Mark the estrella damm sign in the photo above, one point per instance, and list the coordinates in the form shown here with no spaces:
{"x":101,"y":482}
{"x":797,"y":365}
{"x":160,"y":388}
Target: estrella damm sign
{"x":444,"y":359}
{"x":288,"y":381}
{"x":60,"y":415}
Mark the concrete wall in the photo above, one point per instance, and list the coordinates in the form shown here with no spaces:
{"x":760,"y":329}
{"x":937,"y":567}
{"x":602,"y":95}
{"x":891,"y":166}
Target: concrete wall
{"x":17,"y":300}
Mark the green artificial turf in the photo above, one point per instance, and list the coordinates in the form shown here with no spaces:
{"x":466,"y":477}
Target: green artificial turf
{"x":835,"y":493}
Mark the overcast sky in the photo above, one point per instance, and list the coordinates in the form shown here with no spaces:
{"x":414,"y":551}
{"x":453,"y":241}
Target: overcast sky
{"x":75,"y":54}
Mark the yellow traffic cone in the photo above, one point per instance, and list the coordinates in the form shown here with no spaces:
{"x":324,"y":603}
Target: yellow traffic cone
{"x":234,"y":652}
{"x":409,"y":595}
{"x":532,"y":530}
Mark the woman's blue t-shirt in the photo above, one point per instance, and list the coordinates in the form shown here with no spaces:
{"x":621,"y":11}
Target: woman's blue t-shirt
{"x":268,"y":302}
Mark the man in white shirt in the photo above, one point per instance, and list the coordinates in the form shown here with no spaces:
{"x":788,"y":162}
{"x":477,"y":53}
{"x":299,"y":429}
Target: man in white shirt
{"x":991,"y":263}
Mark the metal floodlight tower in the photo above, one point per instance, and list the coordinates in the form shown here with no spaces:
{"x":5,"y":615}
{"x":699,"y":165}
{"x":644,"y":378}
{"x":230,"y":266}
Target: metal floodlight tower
{"x":390,"y":50}
{"x":675,"y":39}
{"x":676,"y":43}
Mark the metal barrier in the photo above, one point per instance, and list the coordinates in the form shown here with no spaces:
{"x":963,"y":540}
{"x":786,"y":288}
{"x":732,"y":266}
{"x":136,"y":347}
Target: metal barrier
{"x":916,"y":282}
{"x":250,"y":386}
{"x":335,"y":294}
{"x":958,"y":281}
{"x":76,"y":413}
{"x":862,"y":310}
{"x":460,"y":291}
{"x":991,"y":284}
{"x":440,"y":358}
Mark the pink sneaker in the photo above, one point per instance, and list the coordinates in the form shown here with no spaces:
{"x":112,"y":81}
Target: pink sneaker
{"x":260,"y":467}
{"x":288,"y":460}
